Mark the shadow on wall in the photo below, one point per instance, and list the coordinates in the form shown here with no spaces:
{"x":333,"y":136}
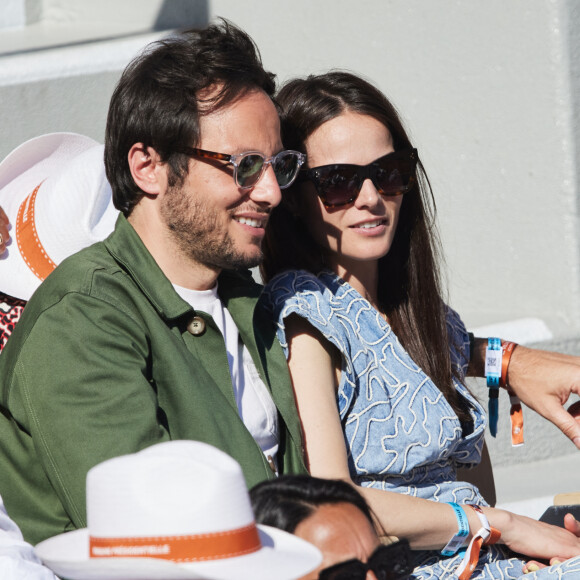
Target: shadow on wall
{"x":67,"y":26}
{"x":182,"y":14}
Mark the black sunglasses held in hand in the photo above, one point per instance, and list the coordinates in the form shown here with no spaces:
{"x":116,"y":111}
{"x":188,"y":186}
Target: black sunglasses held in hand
{"x":250,"y":166}
{"x":340,"y":183}
{"x":391,"y":562}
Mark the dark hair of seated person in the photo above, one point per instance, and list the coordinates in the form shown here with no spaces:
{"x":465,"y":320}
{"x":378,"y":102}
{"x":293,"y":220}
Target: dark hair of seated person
{"x":288,"y":500}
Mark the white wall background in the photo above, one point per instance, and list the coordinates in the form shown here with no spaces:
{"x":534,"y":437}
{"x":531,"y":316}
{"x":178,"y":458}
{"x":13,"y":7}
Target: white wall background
{"x":488,"y":91}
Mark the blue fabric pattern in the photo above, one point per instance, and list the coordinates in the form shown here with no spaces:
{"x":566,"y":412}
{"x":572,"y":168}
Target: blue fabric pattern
{"x":400,"y":432}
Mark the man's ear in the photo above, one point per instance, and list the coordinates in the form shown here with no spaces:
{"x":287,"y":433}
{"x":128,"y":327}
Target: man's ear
{"x":147,"y":169}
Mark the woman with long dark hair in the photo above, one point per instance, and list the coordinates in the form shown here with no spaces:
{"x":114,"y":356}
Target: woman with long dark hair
{"x":377,"y":359}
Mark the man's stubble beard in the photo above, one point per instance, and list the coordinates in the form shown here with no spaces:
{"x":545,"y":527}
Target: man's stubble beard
{"x":193,"y":224}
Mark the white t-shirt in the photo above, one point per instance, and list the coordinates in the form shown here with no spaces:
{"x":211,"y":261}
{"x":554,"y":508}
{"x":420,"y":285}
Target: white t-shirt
{"x":255,"y":405}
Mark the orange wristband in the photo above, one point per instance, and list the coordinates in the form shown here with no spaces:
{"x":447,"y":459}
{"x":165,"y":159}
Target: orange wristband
{"x":485,"y":535}
{"x":507,"y":349}
{"x":516,"y":412}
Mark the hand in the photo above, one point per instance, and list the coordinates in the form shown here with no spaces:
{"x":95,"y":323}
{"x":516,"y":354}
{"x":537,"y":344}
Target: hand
{"x":537,"y":539}
{"x":534,"y":565}
{"x":572,"y":525}
{"x":544,"y":381}
{"x":4,"y":235}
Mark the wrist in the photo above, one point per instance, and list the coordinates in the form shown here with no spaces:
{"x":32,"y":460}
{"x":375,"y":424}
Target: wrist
{"x":508,"y":349}
{"x":486,"y":534}
{"x":460,"y":537}
{"x":519,"y":363}
{"x":474,"y":523}
{"x":497,"y":518}
{"x":477,"y":351}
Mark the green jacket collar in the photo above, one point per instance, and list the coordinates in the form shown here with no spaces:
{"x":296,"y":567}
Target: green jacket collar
{"x":237,"y":290}
{"x":130,"y":252}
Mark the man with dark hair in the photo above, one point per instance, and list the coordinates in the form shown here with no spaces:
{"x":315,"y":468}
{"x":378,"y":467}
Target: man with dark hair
{"x":333,"y":516}
{"x":153,"y":334}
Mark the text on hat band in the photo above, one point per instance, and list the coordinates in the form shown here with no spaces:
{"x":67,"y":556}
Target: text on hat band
{"x":190,"y":548}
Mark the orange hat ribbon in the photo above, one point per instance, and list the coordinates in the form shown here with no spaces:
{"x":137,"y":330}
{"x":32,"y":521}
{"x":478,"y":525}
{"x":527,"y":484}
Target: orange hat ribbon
{"x":191,"y":548}
{"x":31,"y":249}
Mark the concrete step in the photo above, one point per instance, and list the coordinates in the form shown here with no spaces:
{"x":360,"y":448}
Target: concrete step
{"x":529,"y":489}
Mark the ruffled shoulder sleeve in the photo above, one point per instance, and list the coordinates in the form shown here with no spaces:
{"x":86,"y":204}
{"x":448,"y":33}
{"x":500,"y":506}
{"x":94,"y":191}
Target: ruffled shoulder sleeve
{"x":302,"y":293}
{"x":458,"y":342}
{"x":319,"y":300}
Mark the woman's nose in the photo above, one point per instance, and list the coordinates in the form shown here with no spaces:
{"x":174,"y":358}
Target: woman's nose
{"x":368,"y":196}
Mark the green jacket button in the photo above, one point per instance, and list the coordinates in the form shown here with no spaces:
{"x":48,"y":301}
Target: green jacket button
{"x":196,"y":326}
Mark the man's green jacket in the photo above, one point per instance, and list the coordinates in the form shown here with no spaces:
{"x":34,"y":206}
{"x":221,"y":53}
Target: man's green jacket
{"x":102,"y":364}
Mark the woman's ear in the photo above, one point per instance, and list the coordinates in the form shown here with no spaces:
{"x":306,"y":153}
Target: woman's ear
{"x":147,"y":169}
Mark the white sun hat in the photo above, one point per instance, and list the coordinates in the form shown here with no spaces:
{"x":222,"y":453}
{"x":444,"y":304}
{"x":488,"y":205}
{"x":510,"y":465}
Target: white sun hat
{"x":178,"y":509}
{"x":55,"y":193}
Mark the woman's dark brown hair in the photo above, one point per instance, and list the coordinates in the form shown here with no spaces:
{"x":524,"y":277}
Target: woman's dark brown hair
{"x":409,"y":290}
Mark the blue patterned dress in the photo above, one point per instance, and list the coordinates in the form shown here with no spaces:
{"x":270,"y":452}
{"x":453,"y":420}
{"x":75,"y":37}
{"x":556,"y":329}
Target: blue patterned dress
{"x":401,"y":433}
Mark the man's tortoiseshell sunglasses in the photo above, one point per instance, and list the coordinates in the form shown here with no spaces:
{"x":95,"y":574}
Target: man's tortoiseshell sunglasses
{"x":250,"y":166}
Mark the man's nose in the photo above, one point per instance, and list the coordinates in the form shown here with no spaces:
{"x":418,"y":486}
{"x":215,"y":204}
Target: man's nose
{"x":267,"y":191}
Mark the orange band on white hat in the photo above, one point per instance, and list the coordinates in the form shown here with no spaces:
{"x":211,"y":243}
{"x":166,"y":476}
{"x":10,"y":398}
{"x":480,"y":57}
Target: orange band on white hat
{"x":192,"y":548}
{"x":31,"y":249}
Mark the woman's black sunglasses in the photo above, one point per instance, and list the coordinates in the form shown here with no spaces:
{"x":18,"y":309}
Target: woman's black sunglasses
{"x":340,"y":183}
{"x":391,"y":562}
